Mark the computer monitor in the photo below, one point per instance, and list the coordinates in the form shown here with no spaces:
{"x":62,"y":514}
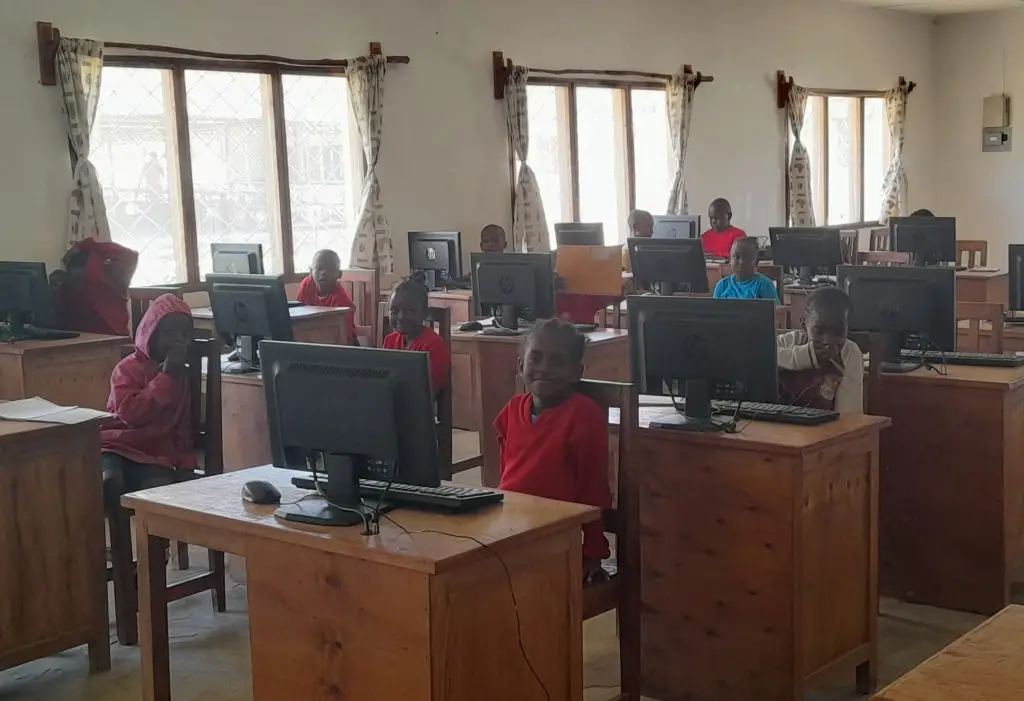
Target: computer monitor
{"x":24,"y":299}
{"x":806,"y":249}
{"x":668,"y":266}
{"x":930,"y":240}
{"x":677,"y":226}
{"x":579,"y":234}
{"x":438,"y":254}
{"x":312,"y":392}
{"x":708,"y":348}
{"x":916,"y":305}
{"x":237,"y":258}
{"x":513,"y":286}
{"x":247,"y":308}
{"x":1016,"y":261}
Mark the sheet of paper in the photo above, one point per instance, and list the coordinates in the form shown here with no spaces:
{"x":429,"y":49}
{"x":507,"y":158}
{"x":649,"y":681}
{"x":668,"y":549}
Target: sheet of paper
{"x":39,"y":409}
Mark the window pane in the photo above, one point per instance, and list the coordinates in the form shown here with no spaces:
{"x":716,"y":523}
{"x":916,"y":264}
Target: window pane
{"x":876,"y":154}
{"x":602,"y":172}
{"x":320,"y":167}
{"x":652,"y":150}
{"x":233,"y":167}
{"x":843,"y":201}
{"x":549,"y":150}
{"x":134,"y":152}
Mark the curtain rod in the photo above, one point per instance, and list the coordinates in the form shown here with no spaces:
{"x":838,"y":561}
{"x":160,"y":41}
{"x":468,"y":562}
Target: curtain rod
{"x":784,"y":84}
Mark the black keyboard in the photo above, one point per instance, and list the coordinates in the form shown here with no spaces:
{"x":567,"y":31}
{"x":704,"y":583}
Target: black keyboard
{"x":454,"y":284}
{"x":991,"y":360}
{"x":585,"y":328}
{"x":447,"y":497}
{"x":775,"y":413}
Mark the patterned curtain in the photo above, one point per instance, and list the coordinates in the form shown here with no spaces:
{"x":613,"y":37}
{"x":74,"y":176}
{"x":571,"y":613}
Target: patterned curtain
{"x":801,"y":205}
{"x":79,"y":66}
{"x":529,"y":225}
{"x":679,"y":94}
{"x":894,"y":187}
{"x":371,"y":239}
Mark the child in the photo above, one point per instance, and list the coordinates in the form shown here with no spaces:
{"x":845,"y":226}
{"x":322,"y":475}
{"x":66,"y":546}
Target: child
{"x":321,"y":289}
{"x":745,"y":282}
{"x":408,"y":311}
{"x":819,"y":366}
{"x":493,"y":239}
{"x":554,"y":440}
{"x":641,"y":226}
{"x":149,"y":397}
{"x":719,"y":238}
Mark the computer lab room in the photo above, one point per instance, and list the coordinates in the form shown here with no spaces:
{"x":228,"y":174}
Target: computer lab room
{"x":566,"y":350}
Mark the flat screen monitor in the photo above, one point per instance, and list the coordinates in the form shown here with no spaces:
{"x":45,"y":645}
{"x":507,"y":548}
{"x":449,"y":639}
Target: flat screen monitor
{"x":514,"y":286}
{"x":677,"y":226}
{"x":247,"y":308}
{"x":668,"y":266}
{"x":579,"y":234}
{"x":237,"y":258}
{"x":929,"y":240}
{"x":438,"y":254}
{"x":806,"y":249}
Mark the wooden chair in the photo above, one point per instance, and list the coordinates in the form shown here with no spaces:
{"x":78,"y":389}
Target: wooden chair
{"x":208,"y":441}
{"x":849,"y":240}
{"x":883,"y":258}
{"x":782,"y":318}
{"x":775,"y":273}
{"x":976,"y":253}
{"x":361,"y":285}
{"x":879,"y":239}
{"x":139,"y":299}
{"x":976,"y":313}
{"x":612,"y":317}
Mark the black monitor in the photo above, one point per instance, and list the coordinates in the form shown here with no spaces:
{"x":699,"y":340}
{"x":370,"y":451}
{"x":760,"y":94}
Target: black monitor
{"x":24,"y":299}
{"x":237,"y":258}
{"x":247,"y":308}
{"x":677,"y":226}
{"x":929,"y":240}
{"x":668,"y":265}
{"x":703,"y":348}
{"x":438,"y":254}
{"x":311,"y":391}
{"x":1016,"y":261}
{"x":916,"y":305}
{"x":806,"y":249}
{"x":513,"y":286}
{"x":579,"y":234}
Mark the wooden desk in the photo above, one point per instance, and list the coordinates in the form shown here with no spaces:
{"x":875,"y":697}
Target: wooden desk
{"x":987,"y":664}
{"x":796,"y":300}
{"x":419,"y":616}
{"x":759,"y":560}
{"x":458,"y":302}
{"x":244,"y":411}
{"x":53,"y":580}
{"x":973,"y":286}
{"x":73,"y":372}
{"x":494,"y":379}
{"x":1013,"y":336}
{"x":952,"y":486}
{"x":326,"y":325}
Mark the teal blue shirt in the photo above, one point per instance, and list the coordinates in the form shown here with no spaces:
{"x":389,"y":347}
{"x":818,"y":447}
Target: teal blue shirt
{"x":758,"y":287}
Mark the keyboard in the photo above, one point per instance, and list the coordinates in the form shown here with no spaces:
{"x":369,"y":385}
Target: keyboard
{"x":446,"y":497}
{"x":775,"y":413}
{"x":991,"y":360}
{"x":295,"y":303}
{"x":454,"y":284}
{"x":585,"y":328}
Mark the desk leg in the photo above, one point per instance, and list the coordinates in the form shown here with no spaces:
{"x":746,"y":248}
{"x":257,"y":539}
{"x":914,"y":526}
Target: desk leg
{"x":153,"y":633}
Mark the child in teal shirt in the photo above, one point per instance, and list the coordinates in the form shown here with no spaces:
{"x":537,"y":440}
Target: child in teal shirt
{"x":745,"y":282}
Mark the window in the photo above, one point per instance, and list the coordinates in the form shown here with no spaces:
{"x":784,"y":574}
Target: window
{"x":237,"y":184}
{"x":847,"y":139}
{"x":599,"y":152}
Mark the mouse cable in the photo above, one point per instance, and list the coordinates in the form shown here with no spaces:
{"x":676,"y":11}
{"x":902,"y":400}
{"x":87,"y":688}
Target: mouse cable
{"x":311,"y":464}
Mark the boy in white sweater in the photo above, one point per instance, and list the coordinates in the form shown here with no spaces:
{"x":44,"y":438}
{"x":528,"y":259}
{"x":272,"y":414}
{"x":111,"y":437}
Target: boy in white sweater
{"x":819,"y":366}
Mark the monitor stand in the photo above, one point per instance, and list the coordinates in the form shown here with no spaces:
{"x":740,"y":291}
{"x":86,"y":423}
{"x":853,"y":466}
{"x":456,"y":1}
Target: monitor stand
{"x":430,"y":279}
{"x":248,"y":358}
{"x":697,"y":414}
{"x":892,"y":362}
{"x":341,"y":489}
{"x":805,"y":277}
{"x":507,"y":317}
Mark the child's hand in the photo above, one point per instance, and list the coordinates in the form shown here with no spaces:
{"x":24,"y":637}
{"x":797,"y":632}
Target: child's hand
{"x":825,"y":352}
{"x":174,"y":363}
{"x":593,"y":572}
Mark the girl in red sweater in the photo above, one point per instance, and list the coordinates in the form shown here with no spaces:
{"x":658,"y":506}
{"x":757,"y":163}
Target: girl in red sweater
{"x":408,"y":310}
{"x":554,"y":440}
{"x":321,"y":289}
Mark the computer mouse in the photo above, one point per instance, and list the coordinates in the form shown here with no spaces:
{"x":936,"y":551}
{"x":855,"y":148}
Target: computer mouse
{"x":261,"y":492}
{"x":471,"y":326}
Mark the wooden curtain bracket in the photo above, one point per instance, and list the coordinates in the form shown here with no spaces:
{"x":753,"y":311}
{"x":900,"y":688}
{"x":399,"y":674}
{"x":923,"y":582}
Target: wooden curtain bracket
{"x":375,"y":48}
{"x":502,"y":70}
{"x":909,"y":86}
{"x":48,"y":38}
{"x":782,"y":88}
{"x":701,"y":78}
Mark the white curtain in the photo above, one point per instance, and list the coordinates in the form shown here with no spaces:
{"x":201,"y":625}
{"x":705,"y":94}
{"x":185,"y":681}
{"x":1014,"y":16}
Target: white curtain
{"x":801,"y":204}
{"x":679,"y":94}
{"x":529,"y":225}
{"x":79,"y":64}
{"x":894,"y":187}
{"x":371,"y":240}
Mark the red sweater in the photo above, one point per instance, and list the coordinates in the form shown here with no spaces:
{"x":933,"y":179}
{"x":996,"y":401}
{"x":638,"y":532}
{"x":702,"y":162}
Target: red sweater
{"x":338,"y":297}
{"x":431,"y":344}
{"x":719,"y":243}
{"x":564,"y":456}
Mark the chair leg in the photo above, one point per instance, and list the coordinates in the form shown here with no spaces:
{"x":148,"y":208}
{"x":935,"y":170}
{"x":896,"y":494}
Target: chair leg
{"x":867,"y":677}
{"x":183,"y":563}
{"x":219,"y":589}
{"x":123,"y":565}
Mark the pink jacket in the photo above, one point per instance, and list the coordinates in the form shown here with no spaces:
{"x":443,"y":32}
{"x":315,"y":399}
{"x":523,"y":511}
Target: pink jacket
{"x":152,"y":410}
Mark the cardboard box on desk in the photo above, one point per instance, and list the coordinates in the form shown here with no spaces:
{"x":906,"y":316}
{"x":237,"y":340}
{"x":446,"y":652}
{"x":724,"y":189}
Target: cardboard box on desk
{"x":590,"y":270}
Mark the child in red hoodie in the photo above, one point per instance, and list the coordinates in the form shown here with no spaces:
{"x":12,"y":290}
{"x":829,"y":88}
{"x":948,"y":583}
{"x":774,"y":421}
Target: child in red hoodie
{"x":554,"y":440}
{"x":408,"y":310}
{"x":149,"y":397}
{"x":321,"y":289}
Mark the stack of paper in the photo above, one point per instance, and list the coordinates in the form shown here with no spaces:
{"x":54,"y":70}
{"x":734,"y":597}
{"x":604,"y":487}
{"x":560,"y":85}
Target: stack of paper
{"x":38,"y":409}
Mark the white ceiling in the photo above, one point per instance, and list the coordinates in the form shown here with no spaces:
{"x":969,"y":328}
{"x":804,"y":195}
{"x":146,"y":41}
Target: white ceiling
{"x":941,"y":7}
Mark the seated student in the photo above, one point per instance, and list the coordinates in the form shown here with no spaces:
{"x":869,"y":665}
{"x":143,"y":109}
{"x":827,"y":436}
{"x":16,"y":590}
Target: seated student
{"x":493,"y":239}
{"x":91,"y":293}
{"x":922,"y":213}
{"x":321,"y":289}
{"x":719,"y":238}
{"x":745,"y":282}
{"x":408,"y":311}
{"x":819,"y":366}
{"x":554,"y":440}
{"x":641,"y":226}
{"x":150,"y":434}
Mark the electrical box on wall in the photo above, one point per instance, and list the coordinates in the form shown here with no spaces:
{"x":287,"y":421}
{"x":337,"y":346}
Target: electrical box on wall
{"x":995,"y":132}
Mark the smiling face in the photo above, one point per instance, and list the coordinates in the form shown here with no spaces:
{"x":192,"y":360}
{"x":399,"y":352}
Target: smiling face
{"x":550,"y":366}
{"x":743,"y":259}
{"x":407,"y":312}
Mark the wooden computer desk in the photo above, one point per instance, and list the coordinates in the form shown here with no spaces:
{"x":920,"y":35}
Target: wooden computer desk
{"x":975,"y":286}
{"x":72,"y":372}
{"x":327,"y":325}
{"x":402,"y":615}
{"x":759,"y":560}
{"x":53,"y":575}
{"x":952,"y":510}
{"x":987,"y":664}
{"x":458,"y":302}
{"x":494,"y":379}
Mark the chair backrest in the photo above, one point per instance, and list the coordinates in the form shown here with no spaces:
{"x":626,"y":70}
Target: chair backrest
{"x":612,"y":317}
{"x":782,"y":317}
{"x":139,"y":299}
{"x":440,"y":319}
{"x":883,"y":258}
{"x":775,"y":273}
{"x":975,"y":252}
{"x":879,"y":239}
{"x":848,"y":242}
{"x":207,"y":422}
{"x":361,"y":285}
{"x":976,"y":313}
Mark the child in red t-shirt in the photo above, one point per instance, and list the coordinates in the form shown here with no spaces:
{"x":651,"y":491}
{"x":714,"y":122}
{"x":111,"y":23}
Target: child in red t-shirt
{"x":408,"y":311}
{"x":718,"y":240}
{"x":321,"y":289}
{"x":554,"y":440}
